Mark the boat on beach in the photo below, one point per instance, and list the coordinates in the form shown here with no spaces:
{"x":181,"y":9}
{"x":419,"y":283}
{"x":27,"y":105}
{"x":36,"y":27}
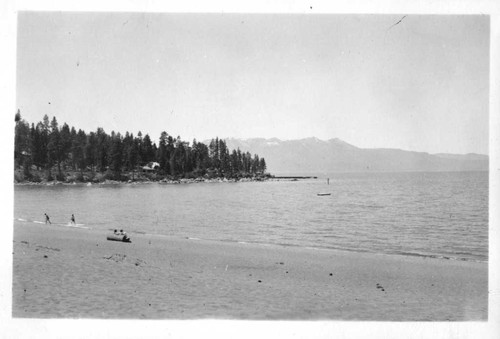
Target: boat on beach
{"x":118,"y":237}
{"x":323,"y":194}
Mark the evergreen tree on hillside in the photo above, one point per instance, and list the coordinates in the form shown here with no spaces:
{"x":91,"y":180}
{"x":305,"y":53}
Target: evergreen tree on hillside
{"x":138,"y":142}
{"x":102,"y":149}
{"x":116,"y":154}
{"x":35,"y":145}
{"x":234,"y":162}
{"x":65,"y":142}
{"x":22,"y":144}
{"x":147,"y":152}
{"x":224,"y":158}
{"x":163,"y":154}
{"x":262,"y":165}
{"x":91,"y":151}
{"x":255,"y":164}
{"x":170,"y":155}
{"x":73,"y":151}
{"x":79,"y":146}
{"x":41,"y":158}
{"x":133,"y":155}
{"x":55,"y":147}
{"x":22,"y":138}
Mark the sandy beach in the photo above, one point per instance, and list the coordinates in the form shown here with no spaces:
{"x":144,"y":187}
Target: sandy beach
{"x":62,"y":272}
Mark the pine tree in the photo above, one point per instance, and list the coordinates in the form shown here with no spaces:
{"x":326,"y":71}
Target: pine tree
{"x":35,"y":144}
{"x":41,"y":146}
{"x":102,"y":149}
{"x":170,"y":155}
{"x":65,"y":143}
{"x":138,"y":141}
{"x":22,"y":141}
{"x":133,"y":156}
{"x":116,"y":155}
{"x":91,"y":151}
{"x":73,"y":153}
{"x":234,"y":162}
{"x":163,"y":155}
{"x":55,"y":147}
{"x":262,"y":165}
{"x":255,"y":164}
{"x":81,"y":145}
{"x":224,"y":158}
{"x":217,"y":155}
{"x":148,"y":152}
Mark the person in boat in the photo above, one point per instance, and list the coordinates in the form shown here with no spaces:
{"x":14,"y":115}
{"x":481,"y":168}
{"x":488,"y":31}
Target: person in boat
{"x":73,"y":219}
{"x":115,"y":232}
{"x":47,"y":219}
{"x":125,"y":236}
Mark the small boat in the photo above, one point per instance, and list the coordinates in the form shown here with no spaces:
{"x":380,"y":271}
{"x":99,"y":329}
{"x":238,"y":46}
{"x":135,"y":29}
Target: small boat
{"x":322,"y":194}
{"x":118,"y":237}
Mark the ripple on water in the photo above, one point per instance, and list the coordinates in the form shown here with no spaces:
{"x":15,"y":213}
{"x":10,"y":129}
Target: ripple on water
{"x":435,"y":214}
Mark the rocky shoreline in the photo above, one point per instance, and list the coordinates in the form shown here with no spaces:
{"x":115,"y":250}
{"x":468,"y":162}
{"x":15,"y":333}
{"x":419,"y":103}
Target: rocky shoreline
{"x":71,"y":177}
{"x":161,"y":181}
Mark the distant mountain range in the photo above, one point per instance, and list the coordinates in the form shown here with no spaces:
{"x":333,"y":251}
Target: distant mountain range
{"x":314,"y":156}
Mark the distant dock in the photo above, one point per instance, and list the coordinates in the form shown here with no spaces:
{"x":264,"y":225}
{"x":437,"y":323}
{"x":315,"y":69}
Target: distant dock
{"x":294,"y":177}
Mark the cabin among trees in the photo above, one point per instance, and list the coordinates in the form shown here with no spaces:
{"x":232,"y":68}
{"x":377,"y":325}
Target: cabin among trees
{"x":51,"y":149}
{"x":151,"y":167}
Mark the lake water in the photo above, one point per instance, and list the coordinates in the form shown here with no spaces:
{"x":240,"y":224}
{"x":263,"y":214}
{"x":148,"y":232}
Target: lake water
{"x":424,"y":214}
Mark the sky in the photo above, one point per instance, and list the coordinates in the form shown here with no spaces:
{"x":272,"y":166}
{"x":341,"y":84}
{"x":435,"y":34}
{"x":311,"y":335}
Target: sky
{"x":421,"y":84}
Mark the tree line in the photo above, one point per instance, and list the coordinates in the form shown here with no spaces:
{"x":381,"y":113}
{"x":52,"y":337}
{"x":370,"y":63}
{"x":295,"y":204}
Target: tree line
{"x":53,"y":148}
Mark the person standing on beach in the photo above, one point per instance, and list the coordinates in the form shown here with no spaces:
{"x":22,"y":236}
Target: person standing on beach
{"x":73,"y":219}
{"x":47,"y":219}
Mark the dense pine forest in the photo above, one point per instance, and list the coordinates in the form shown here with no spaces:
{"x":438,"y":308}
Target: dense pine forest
{"x":46,"y":151}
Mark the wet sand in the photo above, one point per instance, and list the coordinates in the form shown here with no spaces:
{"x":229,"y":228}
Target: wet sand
{"x":61,"y":272}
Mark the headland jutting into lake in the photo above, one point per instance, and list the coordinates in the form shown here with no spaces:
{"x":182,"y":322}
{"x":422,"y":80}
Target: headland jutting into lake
{"x":46,"y":152}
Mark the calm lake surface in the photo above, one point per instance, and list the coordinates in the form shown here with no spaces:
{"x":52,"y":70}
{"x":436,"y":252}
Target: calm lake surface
{"x":425,"y":214}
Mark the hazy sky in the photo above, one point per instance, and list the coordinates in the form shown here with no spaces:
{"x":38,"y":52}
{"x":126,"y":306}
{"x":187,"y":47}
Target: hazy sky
{"x":419,"y":85}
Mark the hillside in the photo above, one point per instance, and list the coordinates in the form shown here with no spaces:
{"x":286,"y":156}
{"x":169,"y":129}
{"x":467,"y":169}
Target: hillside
{"x":312,"y":155}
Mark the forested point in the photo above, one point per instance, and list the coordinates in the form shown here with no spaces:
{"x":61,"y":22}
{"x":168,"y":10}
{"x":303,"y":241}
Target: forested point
{"x":47,"y":152}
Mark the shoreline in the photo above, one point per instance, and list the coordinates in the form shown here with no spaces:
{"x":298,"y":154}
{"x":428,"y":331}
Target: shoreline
{"x":134,"y":233}
{"x":67,"y":272}
{"x":311,"y":248}
{"x":161,"y":181}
